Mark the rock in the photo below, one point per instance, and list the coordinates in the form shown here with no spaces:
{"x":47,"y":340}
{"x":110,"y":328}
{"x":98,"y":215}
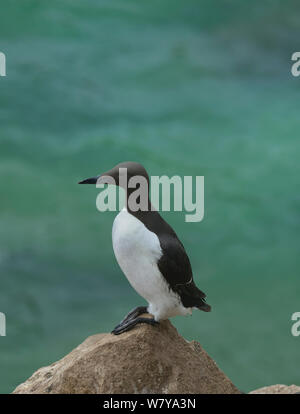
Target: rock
{"x":146,"y":359}
{"x":278,"y":389}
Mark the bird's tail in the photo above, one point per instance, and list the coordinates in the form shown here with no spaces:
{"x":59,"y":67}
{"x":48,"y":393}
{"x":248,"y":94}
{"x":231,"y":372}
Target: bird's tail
{"x":192,"y":296}
{"x":201,"y":300}
{"x":202,"y":305}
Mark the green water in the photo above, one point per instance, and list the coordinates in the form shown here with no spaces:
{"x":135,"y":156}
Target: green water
{"x":188,"y":88}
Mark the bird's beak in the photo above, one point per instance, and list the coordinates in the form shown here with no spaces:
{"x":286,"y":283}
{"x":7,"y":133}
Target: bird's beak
{"x":92,"y":180}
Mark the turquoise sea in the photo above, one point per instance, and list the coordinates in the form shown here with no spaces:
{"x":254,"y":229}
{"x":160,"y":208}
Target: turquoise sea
{"x":201,"y":87}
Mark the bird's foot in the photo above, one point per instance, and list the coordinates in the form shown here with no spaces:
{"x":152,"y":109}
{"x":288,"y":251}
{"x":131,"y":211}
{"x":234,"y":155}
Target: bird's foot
{"x":134,"y":313}
{"x":131,"y":323}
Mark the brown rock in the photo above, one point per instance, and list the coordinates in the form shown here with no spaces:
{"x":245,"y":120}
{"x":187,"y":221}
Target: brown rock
{"x":278,"y":389}
{"x":144,"y":360}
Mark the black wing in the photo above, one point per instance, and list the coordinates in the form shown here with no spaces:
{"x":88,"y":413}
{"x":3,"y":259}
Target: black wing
{"x":174,"y":264}
{"x":176,"y":268}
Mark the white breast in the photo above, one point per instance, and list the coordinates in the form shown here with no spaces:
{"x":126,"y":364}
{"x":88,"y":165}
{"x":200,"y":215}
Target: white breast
{"x":137,"y":251}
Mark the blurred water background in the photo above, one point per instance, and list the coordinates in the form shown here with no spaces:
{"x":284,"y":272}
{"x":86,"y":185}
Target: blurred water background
{"x":189,"y":88}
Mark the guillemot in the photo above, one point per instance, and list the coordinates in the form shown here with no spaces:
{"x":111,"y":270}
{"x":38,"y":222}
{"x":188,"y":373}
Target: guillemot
{"x":151,"y":256}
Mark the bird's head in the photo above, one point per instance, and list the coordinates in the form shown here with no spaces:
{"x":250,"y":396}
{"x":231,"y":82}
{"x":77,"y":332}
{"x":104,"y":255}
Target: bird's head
{"x":119,"y":175}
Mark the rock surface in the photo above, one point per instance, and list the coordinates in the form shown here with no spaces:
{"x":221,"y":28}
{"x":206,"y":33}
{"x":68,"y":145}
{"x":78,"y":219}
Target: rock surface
{"x":278,"y":389}
{"x":144,"y":360}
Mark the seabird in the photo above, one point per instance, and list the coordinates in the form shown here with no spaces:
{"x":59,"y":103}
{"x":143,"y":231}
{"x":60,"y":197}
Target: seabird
{"x":152,"y":258}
